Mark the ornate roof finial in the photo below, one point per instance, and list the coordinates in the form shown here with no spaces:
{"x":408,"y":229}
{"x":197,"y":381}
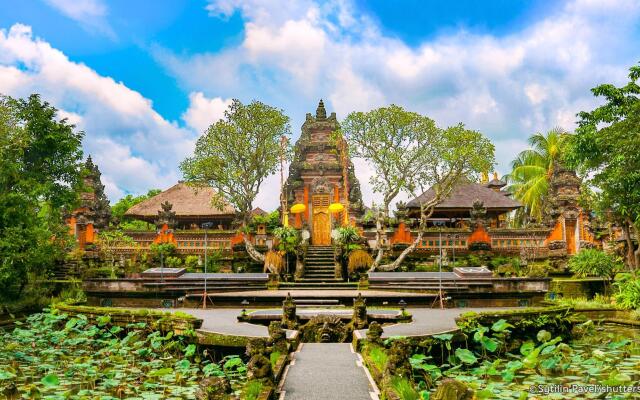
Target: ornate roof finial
{"x":321,"y":113}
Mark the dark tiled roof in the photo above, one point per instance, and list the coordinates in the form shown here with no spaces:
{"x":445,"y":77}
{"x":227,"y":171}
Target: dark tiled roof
{"x":465,"y":194}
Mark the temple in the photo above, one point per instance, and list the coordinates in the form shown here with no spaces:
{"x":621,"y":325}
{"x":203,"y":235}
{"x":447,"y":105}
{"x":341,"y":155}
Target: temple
{"x":322,"y":192}
{"x":320,"y":174}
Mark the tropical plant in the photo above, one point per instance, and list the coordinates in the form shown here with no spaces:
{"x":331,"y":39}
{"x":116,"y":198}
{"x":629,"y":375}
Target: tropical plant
{"x":121,"y":206}
{"x":628,"y":295}
{"x":593,"y":262}
{"x":605,"y":150}
{"x":40,"y":178}
{"x":160,"y":251}
{"x":346,"y":235}
{"x":288,"y":238}
{"x":531,"y":170}
{"x":236,"y":154}
{"x":359,"y":260}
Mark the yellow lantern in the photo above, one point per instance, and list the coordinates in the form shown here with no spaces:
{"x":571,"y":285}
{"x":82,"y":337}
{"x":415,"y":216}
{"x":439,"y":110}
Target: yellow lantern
{"x":298,"y":208}
{"x":336,"y":207}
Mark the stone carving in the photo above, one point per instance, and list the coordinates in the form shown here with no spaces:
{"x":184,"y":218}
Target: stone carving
{"x":320,"y":185}
{"x":564,"y":192}
{"x":374,"y":333}
{"x":324,"y":329}
{"x":166,"y":216}
{"x":359,"y":312}
{"x":398,"y":360}
{"x":478,"y":213}
{"x":321,"y":113}
{"x":259,"y":365}
{"x":289,"y":317}
{"x":213,"y":388}
{"x":451,"y":389}
{"x":277,"y":337}
{"x":95,"y":208}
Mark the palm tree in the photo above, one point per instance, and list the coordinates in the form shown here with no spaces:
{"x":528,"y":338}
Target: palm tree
{"x":532,"y":169}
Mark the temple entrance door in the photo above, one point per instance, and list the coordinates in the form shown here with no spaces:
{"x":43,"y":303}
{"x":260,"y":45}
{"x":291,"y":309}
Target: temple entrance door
{"x":570,"y":232}
{"x":321,"y":235}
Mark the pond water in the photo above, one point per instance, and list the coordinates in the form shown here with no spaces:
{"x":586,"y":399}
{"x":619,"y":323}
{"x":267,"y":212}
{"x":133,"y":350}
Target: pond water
{"x":60,"y":357}
{"x":604,"y":359}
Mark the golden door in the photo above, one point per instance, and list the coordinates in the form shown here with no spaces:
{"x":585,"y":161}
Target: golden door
{"x":321,"y":235}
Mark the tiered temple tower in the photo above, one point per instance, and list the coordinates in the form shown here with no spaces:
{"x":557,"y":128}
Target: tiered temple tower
{"x":316,"y":177}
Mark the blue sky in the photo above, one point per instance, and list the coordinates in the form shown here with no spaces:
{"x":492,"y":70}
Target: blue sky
{"x":144,"y":79}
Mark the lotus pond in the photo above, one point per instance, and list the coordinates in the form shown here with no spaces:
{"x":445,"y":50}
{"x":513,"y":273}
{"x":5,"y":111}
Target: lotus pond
{"x":543,"y":367}
{"x":54,"y":356}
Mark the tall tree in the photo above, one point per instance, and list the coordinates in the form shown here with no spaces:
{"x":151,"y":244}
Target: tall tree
{"x":532,"y":169}
{"x":447,"y":156}
{"x":39,"y":176}
{"x":605,"y":148}
{"x":125,"y":203}
{"x":236,"y":154}
{"x":389,"y":139}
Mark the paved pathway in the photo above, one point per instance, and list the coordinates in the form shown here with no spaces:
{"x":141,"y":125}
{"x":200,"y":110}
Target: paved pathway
{"x":428,"y":321}
{"x":323,"y":371}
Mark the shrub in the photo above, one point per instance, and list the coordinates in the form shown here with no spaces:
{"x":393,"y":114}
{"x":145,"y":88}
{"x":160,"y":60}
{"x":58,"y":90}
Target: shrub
{"x":191,"y":263}
{"x":173,"y":262}
{"x":593,"y":262}
{"x":346,"y":235}
{"x":359,"y":260}
{"x":404,"y":388}
{"x":252,"y":390}
{"x":289,"y":238}
{"x":628,"y":296}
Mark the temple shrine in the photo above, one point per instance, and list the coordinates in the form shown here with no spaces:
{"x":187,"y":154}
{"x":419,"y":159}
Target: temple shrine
{"x":322,"y":174}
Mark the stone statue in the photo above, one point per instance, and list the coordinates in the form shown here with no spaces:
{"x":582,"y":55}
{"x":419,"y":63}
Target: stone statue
{"x":289,"y":317}
{"x":278,"y":338}
{"x":374,"y":333}
{"x":478,"y":213}
{"x":359,"y":312}
{"x":259,"y":365}
{"x":325,"y":328}
{"x":166,"y":216}
{"x":213,"y":388}
{"x":398,"y":360}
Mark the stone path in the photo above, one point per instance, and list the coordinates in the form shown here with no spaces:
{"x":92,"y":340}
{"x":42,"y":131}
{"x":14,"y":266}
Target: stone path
{"x":322,"y":371}
{"x":429,"y":321}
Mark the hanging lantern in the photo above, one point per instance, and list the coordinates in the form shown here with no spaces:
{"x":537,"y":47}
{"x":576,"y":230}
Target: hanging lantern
{"x":336,"y":208}
{"x":298,"y":208}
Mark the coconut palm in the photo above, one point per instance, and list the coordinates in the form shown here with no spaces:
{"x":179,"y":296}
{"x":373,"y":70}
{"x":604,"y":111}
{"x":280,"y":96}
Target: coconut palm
{"x":532,"y":169}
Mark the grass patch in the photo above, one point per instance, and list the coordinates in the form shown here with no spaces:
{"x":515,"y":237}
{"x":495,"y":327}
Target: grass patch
{"x":404,"y":389}
{"x":274,"y":357}
{"x":252,"y":390}
{"x":378,"y":356}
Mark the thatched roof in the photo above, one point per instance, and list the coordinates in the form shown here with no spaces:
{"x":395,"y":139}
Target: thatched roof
{"x":187,"y":201}
{"x":463,"y":196}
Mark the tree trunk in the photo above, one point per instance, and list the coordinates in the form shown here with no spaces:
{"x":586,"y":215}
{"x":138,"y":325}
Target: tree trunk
{"x":395,"y":264}
{"x":379,"y":225}
{"x":631,"y":256}
{"x":251,"y":250}
{"x":636,"y":253}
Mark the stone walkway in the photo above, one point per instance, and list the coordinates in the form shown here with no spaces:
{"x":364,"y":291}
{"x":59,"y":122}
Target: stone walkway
{"x":430,"y":321}
{"x":322,"y":371}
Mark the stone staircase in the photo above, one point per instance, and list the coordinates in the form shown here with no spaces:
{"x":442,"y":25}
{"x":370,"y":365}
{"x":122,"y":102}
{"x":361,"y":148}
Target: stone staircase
{"x":319,"y":272}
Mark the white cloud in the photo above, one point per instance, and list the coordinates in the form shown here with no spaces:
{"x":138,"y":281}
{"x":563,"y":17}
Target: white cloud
{"x":508,"y":87}
{"x":135,"y":148}
{"x":90,"y":14}
{"x":202,"y":111}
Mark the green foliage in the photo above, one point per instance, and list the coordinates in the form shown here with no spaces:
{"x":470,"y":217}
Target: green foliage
{"x":173,"y":262}
{"x":191,"y":263}
{"x":252,"y":390}
{"x":237,"y":153}
{"x":53,"y":353}
{"x":377,"y":355}
{"x":288,"y":237}
{"x":404,"y":388}
{"x":346,"y":235}
{"x":593,"y":262}
{"x":532,"y":168}
{"x":125,"y":203}
{"x":271,"y":220}
{"x":39,"y":176}
{"x":605,"y":147}
{"x":162,"y":250}
{"x":628,"y":295}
